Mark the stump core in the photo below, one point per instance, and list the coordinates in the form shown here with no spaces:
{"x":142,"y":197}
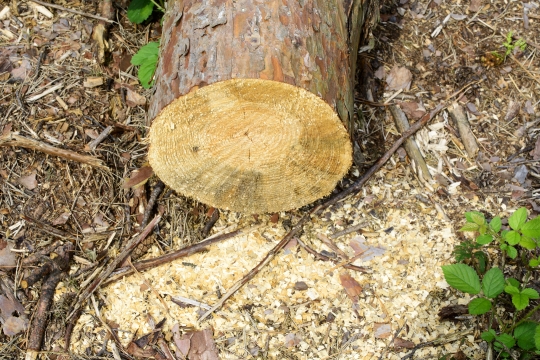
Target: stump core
{"x":250,"y":145}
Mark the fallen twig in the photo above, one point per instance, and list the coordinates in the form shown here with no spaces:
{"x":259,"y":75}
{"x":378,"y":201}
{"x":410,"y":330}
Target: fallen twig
{"x":58,"y":7}
{"x":85,"y":294}
{"x":322,"y":257}
{"x":348,"y":230}
{"x":464,"y":129}
{"x":318,"y":209}
{"x":402,"y":124}
{"x":13,"y":139}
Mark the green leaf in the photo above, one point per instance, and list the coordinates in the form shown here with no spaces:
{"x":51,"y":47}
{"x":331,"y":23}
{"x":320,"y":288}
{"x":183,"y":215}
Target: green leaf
{"x":512,"y":237}
{"x":524,"y":335}
{"x":470,"y":227}
{"x":469,"y":215}
{"x":477,"y":218}
{"x":534,"y":262}
{"x":493,"y":283}
{"x":518,"y":218}
{"x":513,"y":282}
{"x":532,"y":228}
{"x":495,"y":224}
{"x":484,"y":239}
{"x":512,"y":252}
{"x":511,"y":289}
{"x":462,"y":277}
{"x":537,"y":337}
{"x":489,"y":335}
{"x":139,"y":10}
{"x":507,"y":340}
{"x":147,"y":58}
{"x":479,"y":306}
{"x":520,"y":301}
{"x":530,"y":293}
{"x":527,"y":243}
{"x":482,"y":261}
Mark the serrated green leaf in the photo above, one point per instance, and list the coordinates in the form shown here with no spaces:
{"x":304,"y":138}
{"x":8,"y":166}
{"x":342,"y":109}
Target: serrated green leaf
{"x":504,"y":246}
{"x":470,"y":227}
{"x":512,"y":252}
{"x":139,"y":10}
{"x":524,"y":334}
{"x":507,"y":340}
{"x":511,"y":289}
{"x":512,"y":237}
{"x":489,"y":335}
{"x":477,"y":218}
{"x":469,"y":215}
{"x":462,"y":277}
{"x":530,"y":293}
{"x":495,"y":224}
{"x":532,"y":228}
{"x":534,"y":262}
{"x":484,"y":239}
{"x":527,"y":243}
{"x":146,"y":53}
{"x":518,"y":218}
{"x":520,"y":301}
{"x":513,"y":282}
{"x":479,"y":306}
{"x":147,"y":58}
{"x":493,"y":283}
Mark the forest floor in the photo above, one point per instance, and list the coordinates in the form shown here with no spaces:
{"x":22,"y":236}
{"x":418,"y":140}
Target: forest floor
{"x":401,"y":228}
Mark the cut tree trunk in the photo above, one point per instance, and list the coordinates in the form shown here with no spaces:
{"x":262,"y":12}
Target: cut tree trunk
{"x":254,"y":100}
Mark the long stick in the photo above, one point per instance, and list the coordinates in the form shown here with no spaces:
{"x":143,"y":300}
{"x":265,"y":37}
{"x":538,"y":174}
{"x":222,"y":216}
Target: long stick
{"x":13,"y":139}
{"x":357,"y":185}
{"x":58,"y":7}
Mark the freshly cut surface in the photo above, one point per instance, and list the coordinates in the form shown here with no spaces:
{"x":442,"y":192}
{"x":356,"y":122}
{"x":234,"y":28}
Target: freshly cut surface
{"x":250,"y":145}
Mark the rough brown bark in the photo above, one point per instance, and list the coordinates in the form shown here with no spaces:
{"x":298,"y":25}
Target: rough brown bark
{"x":239,"y":50}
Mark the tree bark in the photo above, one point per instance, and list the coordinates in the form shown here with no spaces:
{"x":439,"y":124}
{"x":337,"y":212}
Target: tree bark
{"x":254,"y":100}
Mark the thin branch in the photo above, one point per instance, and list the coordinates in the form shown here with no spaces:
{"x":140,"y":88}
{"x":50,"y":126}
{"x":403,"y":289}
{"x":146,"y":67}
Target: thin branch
{"x":58,"y":7}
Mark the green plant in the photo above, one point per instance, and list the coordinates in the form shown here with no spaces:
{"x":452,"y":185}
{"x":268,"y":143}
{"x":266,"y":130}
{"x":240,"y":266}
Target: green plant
{"x":519,"y":333}
{"x":147,"y":56}
{"x":510,"y":45}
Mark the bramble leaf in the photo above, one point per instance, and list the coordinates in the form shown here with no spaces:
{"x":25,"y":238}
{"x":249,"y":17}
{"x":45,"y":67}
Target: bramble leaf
{"x":537,"y":337}
{"x":534,"y":262}
{"x":462,"y":277}
{"x":477,"y":217}
{"x":513,"y":282}
{"x":520,"y":301}
{"x":527,"y":243}
{"x":493,"y":283}
{"x":479,"y":306}
{"x":525,"y":334}
{"x":470,"y":227}
{"x":512,"y":252}
{"x":469,"y":215}
{"x":530,"y":293}
{"x":507,"y":340}
{"x":489,"y":335}
{"x":512,"y":290}
{"x":484,"y":239}
{"x":512,"y":237}
{"x":495,"y":224}
{"x":147,"y":58}
{"x":139,"y":10}
{"x":532,"y":228}
{"x":518,"y":218}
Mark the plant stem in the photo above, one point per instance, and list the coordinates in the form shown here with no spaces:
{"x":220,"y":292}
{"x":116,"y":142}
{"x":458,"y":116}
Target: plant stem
{"x":158,"y":6}
{"x":526,"y":317}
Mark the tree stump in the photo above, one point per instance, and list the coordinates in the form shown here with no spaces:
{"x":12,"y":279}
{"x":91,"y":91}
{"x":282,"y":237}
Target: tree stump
{"x":253,"y":100}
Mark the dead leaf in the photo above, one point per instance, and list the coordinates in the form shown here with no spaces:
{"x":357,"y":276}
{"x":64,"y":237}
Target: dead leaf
{"x":475,"y":5}
{"x":29,"y":181}
{"x":382,"y":330}
{"x":368,"y":252}
{"x":62,"y":219}
{"x":405,"y":344}
{"x":134,"y":99}
{"x":182,"y":345}
{"x":380,"y":73}
{"x":399,"y":78}
{"x":14,"y":325}
{"x":535,"y":153}
{"x":352,"y":287}
{"x":202,"y":345}
{"x":292,"y":340}
{"x":138,"y":177}
{"x":7,"y":257}
{"x":513,"y":110}
{"x":413,"y":110}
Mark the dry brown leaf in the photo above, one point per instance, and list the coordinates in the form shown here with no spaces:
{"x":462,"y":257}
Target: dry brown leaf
{"x":202,"y":345}
{"x":513,"y":110}
{"x":62,"y":219}
{"x":475,"y":5}
{"x":382,"y":330}
{"x":134,"y":99}
{"x":14,"y":325}
{"x":399,"y":78}
{"x":7,"y":257}
{"x":138,"y":177}
{"x":413,"y":110}
{"x":401,"y":343}
{"x":29,"y":181}
{"x":352,"y":287}
{"x":535,"y":153}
